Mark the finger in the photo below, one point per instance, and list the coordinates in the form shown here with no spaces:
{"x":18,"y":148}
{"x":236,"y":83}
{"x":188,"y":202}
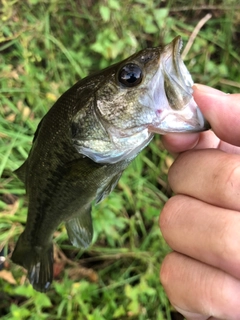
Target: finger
{"x":199,"y":291}
{"x":221,"y":110}
{"x":210,"y":175}
{"x":208,"y":140}
{"x":176,"y":143}
{"x":207,"y":233}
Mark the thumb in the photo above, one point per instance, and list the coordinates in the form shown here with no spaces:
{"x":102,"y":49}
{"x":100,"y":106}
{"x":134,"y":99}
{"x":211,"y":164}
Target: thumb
{"x":221,"y":110}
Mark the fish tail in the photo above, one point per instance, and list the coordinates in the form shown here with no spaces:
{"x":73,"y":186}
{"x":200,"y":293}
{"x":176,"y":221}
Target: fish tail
{"x":38,"y":262}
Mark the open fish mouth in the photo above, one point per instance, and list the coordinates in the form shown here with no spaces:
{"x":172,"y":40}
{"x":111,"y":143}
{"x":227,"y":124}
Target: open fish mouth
{"x":176,"y":110}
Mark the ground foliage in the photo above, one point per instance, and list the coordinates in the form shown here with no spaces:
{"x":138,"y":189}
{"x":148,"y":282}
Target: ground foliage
{"x":45,"y":47}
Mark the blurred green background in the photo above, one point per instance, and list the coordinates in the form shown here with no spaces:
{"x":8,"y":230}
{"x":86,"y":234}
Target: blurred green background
{"x":47,"y":46}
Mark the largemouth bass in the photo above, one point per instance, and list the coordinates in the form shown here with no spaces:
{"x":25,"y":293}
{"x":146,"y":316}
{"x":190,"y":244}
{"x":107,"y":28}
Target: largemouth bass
{"x":89,"y":137}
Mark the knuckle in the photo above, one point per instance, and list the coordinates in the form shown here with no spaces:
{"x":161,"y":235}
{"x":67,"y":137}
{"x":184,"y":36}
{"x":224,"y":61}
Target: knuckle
{"x":168,"y":212}
{"x":229,"y":172}
{"x":230,"y":240}
{"x":166,"y":270}
{"x":172,"y":210}
{"x":225,"y":182}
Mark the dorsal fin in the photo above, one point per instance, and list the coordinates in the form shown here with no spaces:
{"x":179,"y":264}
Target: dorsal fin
{"x":21,"y":172}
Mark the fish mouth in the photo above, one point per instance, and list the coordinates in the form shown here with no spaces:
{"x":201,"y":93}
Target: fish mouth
{"x":176,"y":110}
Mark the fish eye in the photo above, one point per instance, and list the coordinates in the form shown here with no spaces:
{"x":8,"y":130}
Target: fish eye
{"x":130,"y":75}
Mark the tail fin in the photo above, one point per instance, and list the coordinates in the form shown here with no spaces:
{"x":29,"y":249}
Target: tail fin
{"x":37,"y":261}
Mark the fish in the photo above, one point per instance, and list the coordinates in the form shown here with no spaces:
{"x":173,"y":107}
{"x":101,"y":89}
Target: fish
{"x":89,"y":137}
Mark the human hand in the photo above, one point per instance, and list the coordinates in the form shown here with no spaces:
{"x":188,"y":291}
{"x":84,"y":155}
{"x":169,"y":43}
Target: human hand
{"x":201,"y":223}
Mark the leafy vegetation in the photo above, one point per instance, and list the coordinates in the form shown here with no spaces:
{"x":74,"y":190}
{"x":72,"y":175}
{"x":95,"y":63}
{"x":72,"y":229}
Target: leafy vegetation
{"x":45,"y":47}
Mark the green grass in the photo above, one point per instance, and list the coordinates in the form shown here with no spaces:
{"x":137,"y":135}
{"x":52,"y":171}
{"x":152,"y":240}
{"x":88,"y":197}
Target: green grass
{"x":45,"y":47}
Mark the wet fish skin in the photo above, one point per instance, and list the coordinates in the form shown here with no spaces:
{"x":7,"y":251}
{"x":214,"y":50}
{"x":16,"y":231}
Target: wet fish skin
{"x":88,"y":138}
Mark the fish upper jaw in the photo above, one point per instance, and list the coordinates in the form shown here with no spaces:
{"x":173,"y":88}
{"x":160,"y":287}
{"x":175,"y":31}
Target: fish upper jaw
{"x":175,"y":108}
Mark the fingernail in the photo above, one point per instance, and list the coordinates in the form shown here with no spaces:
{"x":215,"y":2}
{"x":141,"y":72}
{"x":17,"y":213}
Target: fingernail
{"x":207,"y":90}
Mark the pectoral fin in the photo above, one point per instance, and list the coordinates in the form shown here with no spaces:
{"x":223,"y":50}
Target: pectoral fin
{"x":80,"y":229}
{"x":107,"y":188}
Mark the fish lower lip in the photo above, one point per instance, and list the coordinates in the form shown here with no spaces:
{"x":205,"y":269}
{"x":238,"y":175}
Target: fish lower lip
{"x":185,"y":127}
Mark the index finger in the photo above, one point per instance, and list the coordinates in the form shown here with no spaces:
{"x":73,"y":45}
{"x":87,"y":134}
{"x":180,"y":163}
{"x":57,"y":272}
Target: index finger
{"x":221,"y":110}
